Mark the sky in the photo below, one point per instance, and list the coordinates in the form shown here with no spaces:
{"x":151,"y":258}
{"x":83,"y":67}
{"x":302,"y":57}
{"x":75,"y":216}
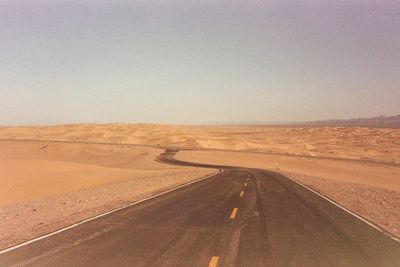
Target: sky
{"x":197,"y":62}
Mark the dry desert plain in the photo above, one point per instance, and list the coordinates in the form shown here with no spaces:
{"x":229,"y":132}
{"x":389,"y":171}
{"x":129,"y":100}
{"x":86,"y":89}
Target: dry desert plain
{"x":54,"y":176}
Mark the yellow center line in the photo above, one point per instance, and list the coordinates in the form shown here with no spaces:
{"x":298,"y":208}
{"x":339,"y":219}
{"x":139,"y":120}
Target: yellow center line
{"x":213,"y":261}
{"x":245,"y":184}
{"x":248,"y":179}
{"x":241,"y":193}
{"x":233,"y":214}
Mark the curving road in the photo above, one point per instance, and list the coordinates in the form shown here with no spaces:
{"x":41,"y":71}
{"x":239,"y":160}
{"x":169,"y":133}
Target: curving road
{"x":240,"y":217}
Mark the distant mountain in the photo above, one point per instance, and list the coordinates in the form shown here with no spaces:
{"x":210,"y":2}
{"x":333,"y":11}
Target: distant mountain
{"x":381,"y":121}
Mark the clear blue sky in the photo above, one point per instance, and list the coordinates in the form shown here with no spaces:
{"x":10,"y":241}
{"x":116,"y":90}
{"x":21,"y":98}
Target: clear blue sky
{"x":197,"y":61}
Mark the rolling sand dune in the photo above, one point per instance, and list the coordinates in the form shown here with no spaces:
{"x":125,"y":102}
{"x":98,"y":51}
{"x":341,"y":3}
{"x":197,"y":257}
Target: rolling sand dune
{"x":375,"y":144}
{"x":47,"y":185}
{"x":72,"y":173}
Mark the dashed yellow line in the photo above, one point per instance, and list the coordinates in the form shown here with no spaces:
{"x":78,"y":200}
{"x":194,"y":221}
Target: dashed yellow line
{"x":248,"y":179}
{"x":213,"y":261}
{"x":233,"y":214}
{"x":245,"y":184}
{"x":241,"y":193}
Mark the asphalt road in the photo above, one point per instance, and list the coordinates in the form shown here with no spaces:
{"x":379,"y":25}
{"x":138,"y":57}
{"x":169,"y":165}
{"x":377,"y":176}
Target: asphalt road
{"x":240,"y":217}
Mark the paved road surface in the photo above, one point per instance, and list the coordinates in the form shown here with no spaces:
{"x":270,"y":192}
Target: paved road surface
{"x":240,"y":217}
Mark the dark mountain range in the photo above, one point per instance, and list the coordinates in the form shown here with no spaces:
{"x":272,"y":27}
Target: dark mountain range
{"x":381,"y":121}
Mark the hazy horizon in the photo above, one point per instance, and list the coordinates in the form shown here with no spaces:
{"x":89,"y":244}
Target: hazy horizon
{"x":193,"y":62}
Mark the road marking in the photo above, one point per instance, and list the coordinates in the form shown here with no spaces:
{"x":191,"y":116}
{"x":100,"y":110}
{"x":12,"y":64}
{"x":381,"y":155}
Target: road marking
{"x":248,"y":179}
{"x":346,"y":210}
{"x":104,"y":214}
{"x":233,"y":214}
{"x":241,"y":193}
{"x":245,"y":184}
{"x":213,"y":261}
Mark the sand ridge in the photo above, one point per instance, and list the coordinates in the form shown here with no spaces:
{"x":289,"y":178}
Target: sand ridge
{"x":376,"y":144}
{"x":84,"y":169}
{"x":49,"y":185}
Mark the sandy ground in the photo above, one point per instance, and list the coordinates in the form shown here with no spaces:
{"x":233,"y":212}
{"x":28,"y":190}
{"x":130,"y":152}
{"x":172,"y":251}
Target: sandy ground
{"x":371,"y":190}
{"x":48,"y":185}
{"x":376,"y":144}
{"x":358,"y":167}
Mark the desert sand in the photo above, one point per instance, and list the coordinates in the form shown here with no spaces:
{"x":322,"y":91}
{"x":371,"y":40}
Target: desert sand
{"x":76,"y":171}
{"x":48,"y":185}
{"x":375,"y":144}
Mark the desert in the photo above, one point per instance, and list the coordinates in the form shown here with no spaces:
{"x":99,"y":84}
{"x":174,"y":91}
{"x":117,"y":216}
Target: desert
{"x":57,"y":175}
{"x":200,"y":133}
{"x":48,"y":185}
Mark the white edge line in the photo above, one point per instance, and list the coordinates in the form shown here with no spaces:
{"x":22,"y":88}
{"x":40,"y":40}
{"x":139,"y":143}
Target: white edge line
{"x":104,"y":214}
{"x":345,"y":209}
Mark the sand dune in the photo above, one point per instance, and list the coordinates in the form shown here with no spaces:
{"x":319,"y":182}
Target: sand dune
{"x":375,"y":144}
{"x":33,"y":170}
{"x":72,"y":173}
{"x":48,"y":185}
